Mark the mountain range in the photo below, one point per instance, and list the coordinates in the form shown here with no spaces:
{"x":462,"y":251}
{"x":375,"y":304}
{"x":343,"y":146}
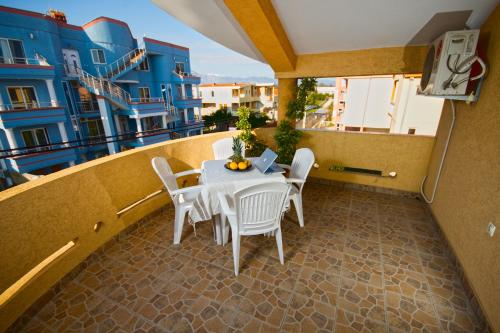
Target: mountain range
{"x":216,"y":78}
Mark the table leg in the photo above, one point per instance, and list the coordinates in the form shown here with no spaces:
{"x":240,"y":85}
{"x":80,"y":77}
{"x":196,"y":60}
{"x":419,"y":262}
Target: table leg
{"x":217,"y":229}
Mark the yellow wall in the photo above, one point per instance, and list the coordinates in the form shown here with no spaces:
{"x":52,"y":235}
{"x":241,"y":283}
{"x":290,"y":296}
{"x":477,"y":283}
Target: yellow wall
{"x":388,"y":60}
{"x":41,"y":216}
{"x":407,"y":155}
{"x":468,"y":195}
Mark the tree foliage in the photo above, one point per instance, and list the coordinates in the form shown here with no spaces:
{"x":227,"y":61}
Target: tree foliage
{"x":253,"y":146}
{"x":286,"y":135}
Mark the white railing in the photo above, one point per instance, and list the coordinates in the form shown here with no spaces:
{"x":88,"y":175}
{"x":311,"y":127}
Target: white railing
{"x":27,"y":106}
{"x":122,"y":63}
{"x":183,"y":74}
{"x":104,"y":87}
{"x":87,"y":106}
{"x":23,"y":61}
{"x":147,"y":100}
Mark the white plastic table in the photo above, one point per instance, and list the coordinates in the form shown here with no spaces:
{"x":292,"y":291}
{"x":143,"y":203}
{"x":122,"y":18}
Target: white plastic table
{"x":217,"y":179}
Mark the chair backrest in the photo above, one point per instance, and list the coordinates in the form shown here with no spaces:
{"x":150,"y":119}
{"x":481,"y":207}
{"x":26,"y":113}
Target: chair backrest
{"x":223,"y":149}
{"x":302,"y":162}
{"x":259,"y":208}
{"x":164,"y":171}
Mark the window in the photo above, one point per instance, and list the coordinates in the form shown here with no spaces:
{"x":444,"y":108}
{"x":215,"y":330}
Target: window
{"x":411,"y":131}
{"x":35,"y":137}
{"x":12,"y":51}
{"x":22,"y":97}
{"x":94,"y":128}
{"x":179,"y":91}
{"x":144,"y":94}
{"x":152,"y":123}
{"x":235,"y":92}
{"x":144,"y":65}
{"x":212,"y":92}
{"x":179,"y":67}
{"x":98,"y":56}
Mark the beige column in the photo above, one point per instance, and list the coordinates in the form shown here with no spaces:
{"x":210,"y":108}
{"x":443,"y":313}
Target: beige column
{"x":286,"y":93}
{"x":186,"y":120}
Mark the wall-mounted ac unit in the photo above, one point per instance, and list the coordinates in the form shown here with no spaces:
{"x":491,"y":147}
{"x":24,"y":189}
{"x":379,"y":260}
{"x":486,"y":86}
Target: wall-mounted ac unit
{"x":447,"y":68}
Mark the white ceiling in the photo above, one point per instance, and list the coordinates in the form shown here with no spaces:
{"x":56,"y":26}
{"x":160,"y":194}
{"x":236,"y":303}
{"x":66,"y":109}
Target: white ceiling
{"x":317,"y":26}
{"x":212,"y":19}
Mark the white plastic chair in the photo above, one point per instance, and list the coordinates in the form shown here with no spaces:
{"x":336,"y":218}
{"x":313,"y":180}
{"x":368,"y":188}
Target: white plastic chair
{"x":182,"y":198}
{"x":302,"y":162}
{"x":254,"y":210}
{"x":223,"y":149}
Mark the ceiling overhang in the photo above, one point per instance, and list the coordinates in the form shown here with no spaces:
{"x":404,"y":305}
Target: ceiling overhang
{"x":315,"y":37}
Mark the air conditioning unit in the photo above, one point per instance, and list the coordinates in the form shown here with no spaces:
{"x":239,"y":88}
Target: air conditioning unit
{"x":448,"y":64}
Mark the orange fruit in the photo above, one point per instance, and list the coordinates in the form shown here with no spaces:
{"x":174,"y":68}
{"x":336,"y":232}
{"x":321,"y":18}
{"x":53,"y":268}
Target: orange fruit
{"x":242,"y":165}
{"x":233,"y":165}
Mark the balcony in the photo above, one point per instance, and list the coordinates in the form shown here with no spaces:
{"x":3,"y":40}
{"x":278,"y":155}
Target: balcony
{"x":185,"y":78}
{"x":25,"y":68}
{"x":36,"y":113}
{"x":88,"y":108}
{"x":361,"y":254}
{"x":187,"y":102}
{"x":42,"y":159}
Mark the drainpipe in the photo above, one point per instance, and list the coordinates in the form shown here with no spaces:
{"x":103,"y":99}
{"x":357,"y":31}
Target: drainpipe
{"x":436,"y":182}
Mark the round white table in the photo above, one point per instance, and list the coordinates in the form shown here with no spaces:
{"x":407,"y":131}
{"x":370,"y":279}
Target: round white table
{"x":217,"y":179}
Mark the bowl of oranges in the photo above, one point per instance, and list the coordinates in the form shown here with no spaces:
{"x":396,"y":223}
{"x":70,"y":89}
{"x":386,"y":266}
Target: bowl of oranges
{"x":243,"y":165}
{"x":237,"y":162}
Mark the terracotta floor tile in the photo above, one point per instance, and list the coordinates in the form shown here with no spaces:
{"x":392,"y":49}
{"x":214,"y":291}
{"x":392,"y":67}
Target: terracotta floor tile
{"x":304,"y":314}
{"x":364,"y":300}
{"x":364,"y":262}
{"x":347,"y":322}
{"x":318,"y":285}
{"x":363,"y":270}
{"x":410,"y":315}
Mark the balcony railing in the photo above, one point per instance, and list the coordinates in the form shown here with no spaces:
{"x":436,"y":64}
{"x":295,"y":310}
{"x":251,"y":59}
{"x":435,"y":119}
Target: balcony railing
{"x":28,"y":106}
{"x":23,"y":61}
{"x":87,"y":106}
{"x":146,"y":100}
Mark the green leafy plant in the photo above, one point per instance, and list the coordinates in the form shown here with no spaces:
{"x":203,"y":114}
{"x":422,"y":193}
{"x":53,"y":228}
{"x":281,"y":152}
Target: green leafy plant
{"x":286,"y":135}
{"x":253,"y":146}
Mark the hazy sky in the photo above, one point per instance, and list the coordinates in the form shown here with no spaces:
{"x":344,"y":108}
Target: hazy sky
{"x":144,"y":18}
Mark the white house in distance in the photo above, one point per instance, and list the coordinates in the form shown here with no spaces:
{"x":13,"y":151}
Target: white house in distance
{"x":259,"y":97}
{"x":386,"y":104}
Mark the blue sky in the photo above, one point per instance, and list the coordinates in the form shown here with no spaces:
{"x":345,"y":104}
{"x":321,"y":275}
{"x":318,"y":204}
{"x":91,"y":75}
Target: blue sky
{"x":144,"y":18}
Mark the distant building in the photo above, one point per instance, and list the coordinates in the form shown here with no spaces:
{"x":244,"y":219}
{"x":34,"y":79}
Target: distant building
{"x":258,"y":97}
{"x":65,"y":90}
{"x":326,"y":90}
{"x":386,"y":104}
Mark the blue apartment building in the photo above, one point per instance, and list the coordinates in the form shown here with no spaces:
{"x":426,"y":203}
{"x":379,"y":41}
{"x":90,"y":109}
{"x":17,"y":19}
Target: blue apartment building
{"x":71,"y":93}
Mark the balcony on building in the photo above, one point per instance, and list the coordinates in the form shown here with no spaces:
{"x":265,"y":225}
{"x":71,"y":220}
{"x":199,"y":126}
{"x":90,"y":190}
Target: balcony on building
{"x":25,"y":68}
{"x":185,"y":78}
{"x":40,"y":158}
{"x":31,"y":114}
{"x":90,"y":248}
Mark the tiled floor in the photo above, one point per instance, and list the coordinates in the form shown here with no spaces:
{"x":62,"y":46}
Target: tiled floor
{"x":365,"y":262}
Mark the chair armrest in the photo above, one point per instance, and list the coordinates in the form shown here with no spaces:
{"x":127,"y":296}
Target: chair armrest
{"x":284,"y":166}
{"x":187,"y":173}
{"x":224,"y":205}
{"x":196,"y":188}
{"x":295,"y":180}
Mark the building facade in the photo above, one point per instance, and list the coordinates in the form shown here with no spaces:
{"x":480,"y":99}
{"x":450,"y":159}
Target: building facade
{"x":70,"y":93}
{"x":386,"y":104}
{"x":258,"y":97}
